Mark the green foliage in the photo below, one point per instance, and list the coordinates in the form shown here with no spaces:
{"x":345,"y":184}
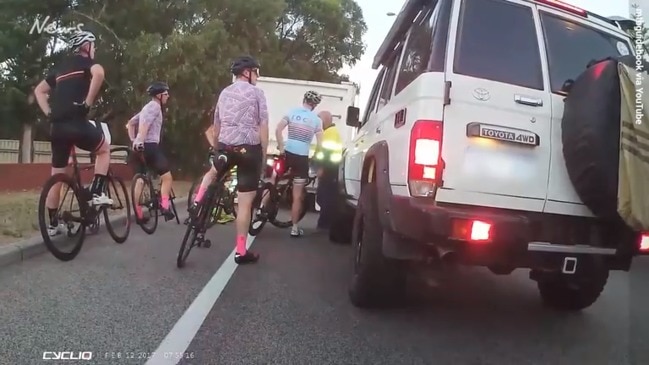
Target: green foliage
{"x":188,"y":44}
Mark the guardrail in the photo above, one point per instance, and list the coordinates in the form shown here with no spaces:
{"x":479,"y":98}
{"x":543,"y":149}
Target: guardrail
{"x":42,"y":152}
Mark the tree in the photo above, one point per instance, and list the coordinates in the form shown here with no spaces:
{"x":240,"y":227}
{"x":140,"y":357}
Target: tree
{"x":188,"y":44}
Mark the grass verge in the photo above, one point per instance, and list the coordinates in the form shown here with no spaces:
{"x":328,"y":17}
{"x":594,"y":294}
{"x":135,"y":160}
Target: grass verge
{"x":19,"y":211}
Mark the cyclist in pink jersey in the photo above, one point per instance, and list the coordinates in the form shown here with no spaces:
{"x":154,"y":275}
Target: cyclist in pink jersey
{"x":241,"y":133}
{"x":144,"y":131}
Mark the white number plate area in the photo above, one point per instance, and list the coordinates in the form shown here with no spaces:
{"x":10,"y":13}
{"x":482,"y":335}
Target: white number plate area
{"x":512,"y":136}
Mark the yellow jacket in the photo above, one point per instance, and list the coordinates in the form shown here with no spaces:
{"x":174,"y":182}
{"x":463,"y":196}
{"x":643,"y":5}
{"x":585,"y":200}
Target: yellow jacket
{"x":332,"y":146}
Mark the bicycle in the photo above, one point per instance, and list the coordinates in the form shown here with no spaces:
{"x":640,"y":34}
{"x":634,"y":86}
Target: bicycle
{"x":228,"y":200}
{"x":153,"y":197}
{"x":88,"y":214}
{"x":213,"y":199}
{"x":281,"y":193}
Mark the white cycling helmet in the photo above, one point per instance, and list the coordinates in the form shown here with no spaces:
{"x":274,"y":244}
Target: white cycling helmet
{"x":312,"y":97}
{"x":78,"y":39}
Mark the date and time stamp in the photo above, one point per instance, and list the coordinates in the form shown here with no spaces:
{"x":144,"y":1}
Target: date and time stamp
{"x":143,"y":355}
{"x":115,"y":355}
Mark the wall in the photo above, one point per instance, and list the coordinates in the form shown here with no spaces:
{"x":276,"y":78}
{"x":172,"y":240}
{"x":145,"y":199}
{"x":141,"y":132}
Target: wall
{"x":18,"y":177}
{"x":42,"y":152}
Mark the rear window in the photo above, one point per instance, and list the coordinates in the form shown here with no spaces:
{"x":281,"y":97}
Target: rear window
{"x":571,"y":46}
{"x":497,"y":41}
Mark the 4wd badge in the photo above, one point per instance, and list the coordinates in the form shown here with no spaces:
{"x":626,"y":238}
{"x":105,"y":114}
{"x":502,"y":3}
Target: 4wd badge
{"x":512,"y":135}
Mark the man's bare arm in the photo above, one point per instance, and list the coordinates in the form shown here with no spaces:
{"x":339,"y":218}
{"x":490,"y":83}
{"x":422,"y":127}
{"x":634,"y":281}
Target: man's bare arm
{"x":209,"y":134}
{"x":97,"y":80}
{"x":41,"y":93}
{"x":278,"y":133}
{"x":263,"y":134}
{"x":217,"y":127}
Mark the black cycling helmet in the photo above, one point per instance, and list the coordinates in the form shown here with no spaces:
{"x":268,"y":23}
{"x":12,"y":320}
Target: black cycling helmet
{"x":243,"y":63}
{"x":157,"y":87}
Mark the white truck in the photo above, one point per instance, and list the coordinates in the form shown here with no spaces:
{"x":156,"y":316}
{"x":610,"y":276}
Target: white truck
{"x":283,"y":95}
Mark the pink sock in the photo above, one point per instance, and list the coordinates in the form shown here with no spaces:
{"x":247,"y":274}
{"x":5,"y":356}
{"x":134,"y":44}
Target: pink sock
{"x":241,"y":244}
{"x":165,"y":202}
{"x":138,"y":211}
{"x":199,"y":194}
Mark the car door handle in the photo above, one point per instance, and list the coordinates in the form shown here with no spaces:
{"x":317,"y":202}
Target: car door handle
{"x":378,"y":129}
{"x":524,"y":100}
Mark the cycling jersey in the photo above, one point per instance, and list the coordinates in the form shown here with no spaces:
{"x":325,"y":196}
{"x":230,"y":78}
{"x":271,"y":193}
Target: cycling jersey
{"x":153,"y":155}
{"x":303,"y":125}
{"x":151,"y":113}
{"x":240,"y":112}
{"x":70,"y":82}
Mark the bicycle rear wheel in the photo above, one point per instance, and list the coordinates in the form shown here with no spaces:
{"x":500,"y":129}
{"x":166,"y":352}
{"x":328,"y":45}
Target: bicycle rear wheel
{"x":285,"y":197}
{"x":64,"y":225}
{"x":147,"y":199}
{"x":116,"y":187}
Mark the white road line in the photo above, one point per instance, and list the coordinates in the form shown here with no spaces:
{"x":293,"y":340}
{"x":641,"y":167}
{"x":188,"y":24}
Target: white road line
{"x":172,"y":348}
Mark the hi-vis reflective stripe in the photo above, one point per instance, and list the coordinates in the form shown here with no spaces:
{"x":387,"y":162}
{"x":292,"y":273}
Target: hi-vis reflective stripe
{"x":70,"y":75}
{"x":332,"y":145}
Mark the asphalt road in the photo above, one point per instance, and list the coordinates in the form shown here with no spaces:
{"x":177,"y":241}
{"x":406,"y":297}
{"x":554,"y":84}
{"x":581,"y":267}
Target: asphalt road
{"x":122,"y":301}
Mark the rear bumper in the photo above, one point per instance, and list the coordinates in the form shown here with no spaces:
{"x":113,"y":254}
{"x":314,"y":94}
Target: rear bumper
{"x":512,"y":242}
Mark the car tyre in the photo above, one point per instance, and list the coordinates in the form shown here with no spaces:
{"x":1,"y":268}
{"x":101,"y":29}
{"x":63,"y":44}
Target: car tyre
{"x":377,"y":281}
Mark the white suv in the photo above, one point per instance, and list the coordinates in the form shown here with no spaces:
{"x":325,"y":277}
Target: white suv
{"x":459,"y":155}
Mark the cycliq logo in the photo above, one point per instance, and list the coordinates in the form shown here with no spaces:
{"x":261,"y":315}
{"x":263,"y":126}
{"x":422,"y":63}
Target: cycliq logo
{"x":67,"y":355}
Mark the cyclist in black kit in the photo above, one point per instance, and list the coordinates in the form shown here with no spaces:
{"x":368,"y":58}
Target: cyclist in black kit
{"x":74,"y":85}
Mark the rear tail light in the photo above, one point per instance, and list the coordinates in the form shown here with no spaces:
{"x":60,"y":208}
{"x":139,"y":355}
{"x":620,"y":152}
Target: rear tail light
{"x":564,"y":6}
{"x":471,"y":230}
{"x":644,"y":243}
{"x":279,"y":166}
{"x":480,"y":231}
{"x":425,"y":158}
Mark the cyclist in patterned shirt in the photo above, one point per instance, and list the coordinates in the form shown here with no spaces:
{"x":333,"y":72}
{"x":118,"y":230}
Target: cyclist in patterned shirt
{"x":148,"y":123}
{"x":241,"y":134}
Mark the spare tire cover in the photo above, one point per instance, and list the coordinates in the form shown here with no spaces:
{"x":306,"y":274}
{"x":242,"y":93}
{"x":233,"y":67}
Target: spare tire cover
{"x":591,"y":137}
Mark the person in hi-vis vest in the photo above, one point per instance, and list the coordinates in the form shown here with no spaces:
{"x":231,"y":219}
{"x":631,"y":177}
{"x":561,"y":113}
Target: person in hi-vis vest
{"x":327,"y":160}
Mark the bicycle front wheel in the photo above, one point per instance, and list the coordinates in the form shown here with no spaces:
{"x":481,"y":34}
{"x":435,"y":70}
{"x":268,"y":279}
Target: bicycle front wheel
{"x":118,"y":193}
{"x":64,"y":231}
{"x":261,"y":216}
{"x":195,"y":225}
{"x":146,"y":200}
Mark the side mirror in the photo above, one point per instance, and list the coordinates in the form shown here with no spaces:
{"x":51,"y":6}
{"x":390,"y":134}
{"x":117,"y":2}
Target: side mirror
{"x":353,"y":114}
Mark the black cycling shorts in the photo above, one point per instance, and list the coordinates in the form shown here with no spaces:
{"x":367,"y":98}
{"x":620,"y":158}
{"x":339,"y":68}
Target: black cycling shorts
{"x":65,"y":135}
{"x":247,"y":159}
{"x":152,"y":157}
{"x":298,"y":164}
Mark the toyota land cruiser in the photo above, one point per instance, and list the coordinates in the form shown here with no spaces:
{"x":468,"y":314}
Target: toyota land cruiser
{"x":460,"y":153}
